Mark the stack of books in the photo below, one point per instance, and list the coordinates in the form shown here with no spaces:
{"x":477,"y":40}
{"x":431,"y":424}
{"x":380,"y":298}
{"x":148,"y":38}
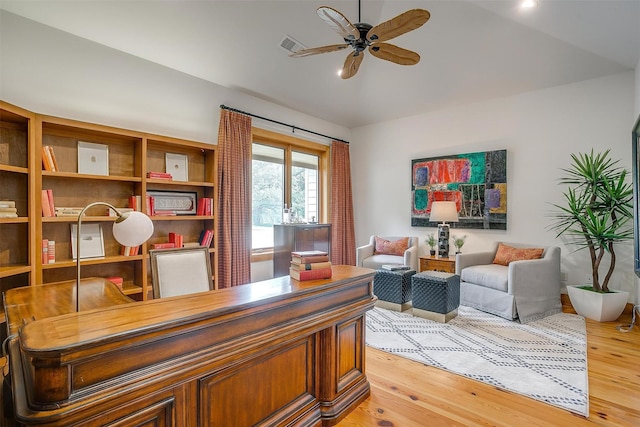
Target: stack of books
{"x":206,"y":237}
{"x":129,"y":250}
{"x":48,"y":206}
{"x":160,"y":175}
{"x":310,"y":265}
{"x":135,"y":202}
{"x":49,"y":162}
{"x":8,"y":209}
{"x":177,"y":239}
{"x":205,"y":206}
{"x":48,"y":251}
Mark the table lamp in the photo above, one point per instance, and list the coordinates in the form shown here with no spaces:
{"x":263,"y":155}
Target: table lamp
{"x":445,"y":212}
{"x":129,"y":229}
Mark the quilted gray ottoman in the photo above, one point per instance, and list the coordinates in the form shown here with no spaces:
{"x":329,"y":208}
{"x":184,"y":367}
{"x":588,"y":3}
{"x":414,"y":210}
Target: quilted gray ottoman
{"x":393,"y":289}
{"x":436,"y":295}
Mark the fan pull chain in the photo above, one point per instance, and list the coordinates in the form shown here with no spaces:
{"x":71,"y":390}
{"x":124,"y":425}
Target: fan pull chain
{"x":627,"y":328}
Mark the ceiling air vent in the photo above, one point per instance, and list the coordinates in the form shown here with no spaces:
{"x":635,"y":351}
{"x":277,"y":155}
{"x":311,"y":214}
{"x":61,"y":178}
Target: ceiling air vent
{"x":291,"y":45}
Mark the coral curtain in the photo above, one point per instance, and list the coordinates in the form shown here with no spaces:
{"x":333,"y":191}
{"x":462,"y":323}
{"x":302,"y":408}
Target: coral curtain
{"x":234,"y":200}
{"x":343,"y":240}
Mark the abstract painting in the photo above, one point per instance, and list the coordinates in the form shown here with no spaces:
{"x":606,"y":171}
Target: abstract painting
{"x":477,"y":182}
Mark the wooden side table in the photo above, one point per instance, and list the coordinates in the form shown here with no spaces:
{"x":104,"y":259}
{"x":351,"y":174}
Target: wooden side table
{"x":429,"y":263}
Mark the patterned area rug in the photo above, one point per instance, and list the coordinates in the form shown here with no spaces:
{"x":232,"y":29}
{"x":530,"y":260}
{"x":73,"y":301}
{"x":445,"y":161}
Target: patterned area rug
{"x":545,"y":359}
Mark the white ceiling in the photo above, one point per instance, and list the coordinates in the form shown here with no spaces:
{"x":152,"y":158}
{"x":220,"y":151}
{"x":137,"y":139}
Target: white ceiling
{"x":471,"y":49}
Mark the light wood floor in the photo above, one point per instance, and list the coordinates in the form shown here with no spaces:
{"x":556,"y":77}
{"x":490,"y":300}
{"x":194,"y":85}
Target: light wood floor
{"x":406,"y":393}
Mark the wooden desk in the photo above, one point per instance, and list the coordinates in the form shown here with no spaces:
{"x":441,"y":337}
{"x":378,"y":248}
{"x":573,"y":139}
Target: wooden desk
{"x":278,"y":352}
{"x":24,"y":305}
{"x":428,"y":263}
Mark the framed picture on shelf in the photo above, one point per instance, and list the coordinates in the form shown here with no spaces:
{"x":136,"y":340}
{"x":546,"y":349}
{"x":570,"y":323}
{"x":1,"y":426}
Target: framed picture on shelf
{"x":173,"y":202}
{"x":93,"y":159}
{"x":178,"y":166}
{"x":91,"y":241}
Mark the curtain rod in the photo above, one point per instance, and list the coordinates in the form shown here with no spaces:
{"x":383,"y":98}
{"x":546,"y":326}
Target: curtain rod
{"x":293,"y":128}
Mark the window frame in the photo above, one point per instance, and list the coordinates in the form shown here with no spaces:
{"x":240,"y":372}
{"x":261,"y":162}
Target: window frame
{"x":290,"y":144}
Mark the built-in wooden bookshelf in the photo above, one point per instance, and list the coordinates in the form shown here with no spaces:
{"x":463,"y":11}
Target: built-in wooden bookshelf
{"x":17,"y":182}
{"x":131,"y":155}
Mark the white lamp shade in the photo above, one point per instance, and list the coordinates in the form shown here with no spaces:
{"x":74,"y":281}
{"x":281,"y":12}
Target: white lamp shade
{"x":133,"y":229}
{"x":444,"y":211}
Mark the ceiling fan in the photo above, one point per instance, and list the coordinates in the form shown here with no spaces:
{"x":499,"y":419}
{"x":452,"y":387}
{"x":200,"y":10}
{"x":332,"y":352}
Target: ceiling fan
{"x":362,"y":36}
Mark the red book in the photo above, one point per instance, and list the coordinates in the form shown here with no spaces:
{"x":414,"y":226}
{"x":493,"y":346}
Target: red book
{"x":200,"y":208}
{"x":150,"y":206}
{"x":208,"y":208}
{"x":207,"y":238}
{"x":133,"y":203}
{"x":46,"y":206}
{"x":159,"y":175}
{"x":51,"y":204}
{"x":116,"y":281}
{"x":166,"y":245}
{"x":322,"y":273}
{"x":51,"y":253}
{"x":45,"y":251}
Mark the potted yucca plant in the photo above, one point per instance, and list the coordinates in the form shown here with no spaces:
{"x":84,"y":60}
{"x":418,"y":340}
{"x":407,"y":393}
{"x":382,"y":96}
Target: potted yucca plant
{"x":595,"y":217}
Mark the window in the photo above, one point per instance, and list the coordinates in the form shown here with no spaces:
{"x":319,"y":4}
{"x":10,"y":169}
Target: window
{"x":286,"y":172}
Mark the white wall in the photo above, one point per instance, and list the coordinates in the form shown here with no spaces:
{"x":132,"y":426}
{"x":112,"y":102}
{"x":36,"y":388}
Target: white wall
{"x":638,"y":88}
{"x":637,"y":300}
{"x":52,"y":72}
{"x":539,"y":130}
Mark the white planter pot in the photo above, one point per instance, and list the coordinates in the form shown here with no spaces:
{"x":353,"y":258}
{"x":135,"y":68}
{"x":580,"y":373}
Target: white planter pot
{"x":597,"y":306}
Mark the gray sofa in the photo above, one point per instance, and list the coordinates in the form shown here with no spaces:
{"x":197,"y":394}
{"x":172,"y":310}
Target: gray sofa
{"x":366,"y":258}
{"x":525,"y":290}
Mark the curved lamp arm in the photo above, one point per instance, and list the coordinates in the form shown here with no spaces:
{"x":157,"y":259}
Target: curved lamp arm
{"x":129,"y":229}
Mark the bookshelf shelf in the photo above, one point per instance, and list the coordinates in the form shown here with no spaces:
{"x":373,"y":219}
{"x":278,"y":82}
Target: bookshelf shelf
{"x":181,"y":183}
{"x":180,"y":218}
{"x":73,"y":175}
{"x":12,"y":270}
{"x":73,"y":220}
{"x":15,"y":169}
{"x":92,"y":261}
{"x":18,"y":220}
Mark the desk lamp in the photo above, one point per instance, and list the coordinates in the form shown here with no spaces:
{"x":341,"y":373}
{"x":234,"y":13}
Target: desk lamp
{"x":445,"y":212}
{"x":129,"y":229}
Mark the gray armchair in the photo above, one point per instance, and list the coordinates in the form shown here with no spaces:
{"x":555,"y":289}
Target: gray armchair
{"x":526,"y":290}
{"x":365,"y":256}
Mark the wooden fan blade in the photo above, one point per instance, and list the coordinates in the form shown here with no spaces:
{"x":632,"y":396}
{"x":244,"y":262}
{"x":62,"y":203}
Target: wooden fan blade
{"x":317,"y":50}
{"x":405,"y":22}
{"x":351,"y":65}
{"x":393,"y":53}
{"x":339,"y":23}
